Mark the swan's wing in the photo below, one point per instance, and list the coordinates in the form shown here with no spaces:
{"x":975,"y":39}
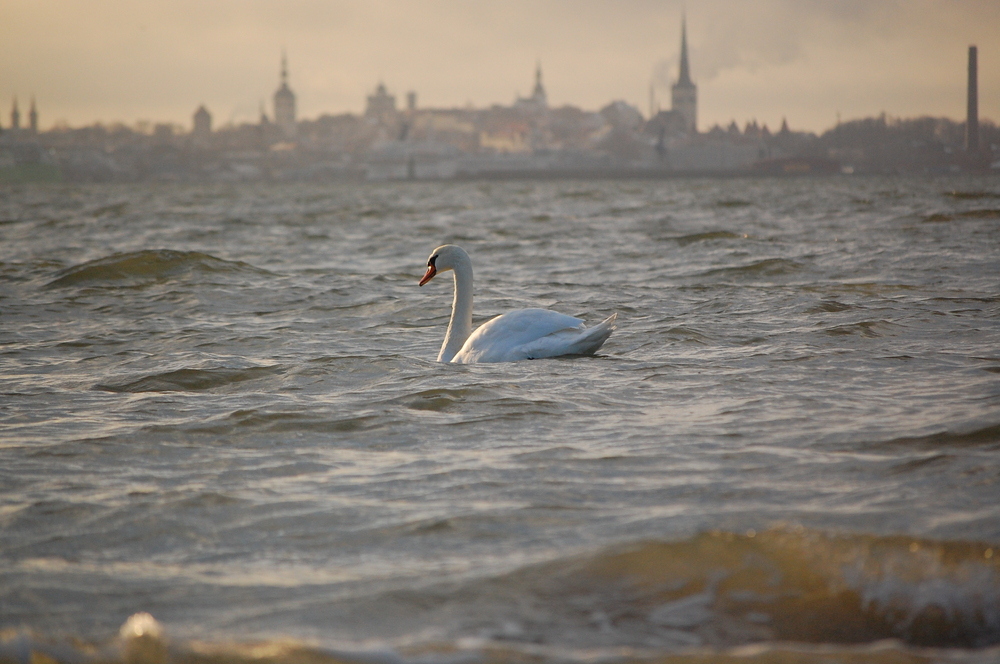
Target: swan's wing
{"x":570,"y":342}
{"x":498,"y":339}
{"x":533,"y":334}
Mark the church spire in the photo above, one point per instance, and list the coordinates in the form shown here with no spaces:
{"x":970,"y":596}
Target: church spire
{"x":685,"y":74}
{"x":33,"y":117}
{"x":684,"y":93}
{"x":538,"y":96}
{"x":284,"y":102}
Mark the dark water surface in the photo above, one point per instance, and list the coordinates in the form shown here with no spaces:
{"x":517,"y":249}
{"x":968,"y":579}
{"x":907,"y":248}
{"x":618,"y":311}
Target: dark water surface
{"x":219,"y":405}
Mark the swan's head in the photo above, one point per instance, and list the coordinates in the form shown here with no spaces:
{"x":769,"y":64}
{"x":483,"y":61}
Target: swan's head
{"x":442,"y":259}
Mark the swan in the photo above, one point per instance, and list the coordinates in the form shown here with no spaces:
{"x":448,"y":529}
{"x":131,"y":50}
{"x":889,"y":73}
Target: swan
{"x":523,"y":334}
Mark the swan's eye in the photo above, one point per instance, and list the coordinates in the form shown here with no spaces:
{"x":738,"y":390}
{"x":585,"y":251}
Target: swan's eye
{"x":430,"y":261}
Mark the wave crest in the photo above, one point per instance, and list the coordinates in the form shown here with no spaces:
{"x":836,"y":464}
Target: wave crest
{"x":195,"y":380}
{"x":148,"y":266}
{"x":723,"y":589}
{"x":781,"y":595}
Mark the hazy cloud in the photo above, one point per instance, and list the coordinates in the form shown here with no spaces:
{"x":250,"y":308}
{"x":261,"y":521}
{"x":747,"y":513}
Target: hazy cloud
{"x":771,"y":33}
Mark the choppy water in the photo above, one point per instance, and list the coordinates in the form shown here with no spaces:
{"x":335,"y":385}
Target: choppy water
{"x":219,"y":405}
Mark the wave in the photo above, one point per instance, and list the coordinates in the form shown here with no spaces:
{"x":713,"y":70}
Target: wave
{"x":148,"y":266}
{"x":724,"y":589}
{"x":284,"y":422}
{"x":686,"y":334}
{"x":865,"y":328}
{"x":768,"y":267}
{"x":716,"y":596}
{"x":972,"y":195}
{"x":192,"y":380}
{"x":985,"y":435}
{"x":705,"y":237}
{"x":111,"y":209}
{"x":965,"y":214}
{"x":828,"y":306}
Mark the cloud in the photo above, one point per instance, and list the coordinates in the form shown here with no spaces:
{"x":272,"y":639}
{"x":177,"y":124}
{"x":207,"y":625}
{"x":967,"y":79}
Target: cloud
{"x":774,"y":33}
{"x":725,"y":35}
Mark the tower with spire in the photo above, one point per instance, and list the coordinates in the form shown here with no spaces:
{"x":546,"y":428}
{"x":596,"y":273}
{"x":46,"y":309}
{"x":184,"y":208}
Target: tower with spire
{"x":33,"y":117}
{"x":284,"y":103}
{"x":538,"y":94}
{"x":538,"y":102}
{"x":15,"y":116}
{"x":684,"y":93}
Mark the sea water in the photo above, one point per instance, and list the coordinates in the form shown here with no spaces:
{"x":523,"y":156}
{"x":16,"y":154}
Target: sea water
{"x":219,"y":406}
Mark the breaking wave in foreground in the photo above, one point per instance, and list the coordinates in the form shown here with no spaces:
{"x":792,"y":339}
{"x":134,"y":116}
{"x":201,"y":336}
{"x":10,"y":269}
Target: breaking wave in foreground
{"x":788,"y":595}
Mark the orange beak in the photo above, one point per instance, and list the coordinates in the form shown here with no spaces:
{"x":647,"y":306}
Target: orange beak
{"x":428,"y":275}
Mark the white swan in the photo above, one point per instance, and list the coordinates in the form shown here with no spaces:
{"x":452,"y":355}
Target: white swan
{"x":524,"y":334}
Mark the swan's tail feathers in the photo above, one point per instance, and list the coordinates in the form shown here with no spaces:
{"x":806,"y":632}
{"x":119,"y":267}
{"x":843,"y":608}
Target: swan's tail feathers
{"x":600,"y":333}
{"x":593,"y":338}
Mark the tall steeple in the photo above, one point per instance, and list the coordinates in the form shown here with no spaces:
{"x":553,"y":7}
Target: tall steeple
{"x":284,"y":102}
{"x":684,"y":93}
{"x":538,"y":102}
{"x":538,"y":94}
{"x":15,"y":116}
{"x":685,"y":74}
{"x":33,"y":117}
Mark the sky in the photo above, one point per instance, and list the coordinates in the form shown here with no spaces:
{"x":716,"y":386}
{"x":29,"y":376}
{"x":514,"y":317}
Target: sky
{"x":810,"y":61}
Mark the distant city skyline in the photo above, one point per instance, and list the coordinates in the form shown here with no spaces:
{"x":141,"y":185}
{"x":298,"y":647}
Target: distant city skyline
{"x":804,"y":60}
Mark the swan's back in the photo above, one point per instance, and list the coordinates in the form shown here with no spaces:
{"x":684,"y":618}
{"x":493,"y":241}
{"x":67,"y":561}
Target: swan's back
{"x":526,"y":334}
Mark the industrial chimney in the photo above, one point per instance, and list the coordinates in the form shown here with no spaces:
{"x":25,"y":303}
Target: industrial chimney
{"x":972,"y":115}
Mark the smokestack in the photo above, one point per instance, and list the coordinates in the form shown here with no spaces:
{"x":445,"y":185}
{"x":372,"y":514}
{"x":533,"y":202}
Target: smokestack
{"x":972,"y":116}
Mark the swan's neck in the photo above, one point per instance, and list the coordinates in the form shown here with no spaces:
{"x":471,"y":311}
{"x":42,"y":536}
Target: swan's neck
{"x":460,"y":325}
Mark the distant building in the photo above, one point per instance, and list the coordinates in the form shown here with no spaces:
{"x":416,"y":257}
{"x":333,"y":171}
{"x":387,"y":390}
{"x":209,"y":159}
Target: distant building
{"x":684,"y":93}
{"x":163,"y":133}
{"x":666,"y":125}
{"x":202,"y":125}
{"x":15,"y":117}
{"x":284,"y":103}
{"x":381,"y":106}
{"x":33,"y":118}
{"x":622,"y":115}
{"x":538,"y":102}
